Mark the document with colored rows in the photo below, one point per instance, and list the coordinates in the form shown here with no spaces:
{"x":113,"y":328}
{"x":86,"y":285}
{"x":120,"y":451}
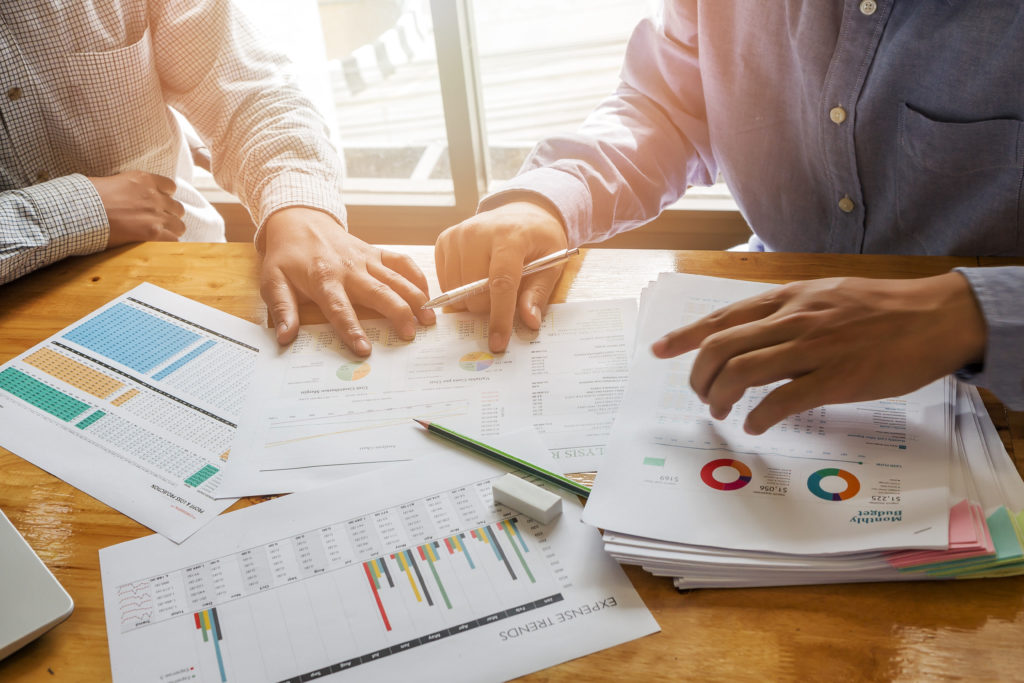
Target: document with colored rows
{"x":136,"y":404}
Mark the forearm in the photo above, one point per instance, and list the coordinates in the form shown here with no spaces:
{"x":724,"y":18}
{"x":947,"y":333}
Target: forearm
{"x":268,"y":144}
{"x":999,"y":292}
{"x":45,"y":223}
{"x":638,"y":151}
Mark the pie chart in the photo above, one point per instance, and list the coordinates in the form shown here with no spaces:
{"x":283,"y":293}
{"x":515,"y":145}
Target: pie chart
{"x":476,"y":361}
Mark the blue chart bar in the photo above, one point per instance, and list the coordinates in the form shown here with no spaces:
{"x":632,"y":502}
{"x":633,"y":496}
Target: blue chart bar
{"x":185,"y":359}
{"x":132,"y":337}
{"x":208,"y":621}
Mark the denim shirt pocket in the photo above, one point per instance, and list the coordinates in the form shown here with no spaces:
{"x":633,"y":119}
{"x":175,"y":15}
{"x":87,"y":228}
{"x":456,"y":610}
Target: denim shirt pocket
{"x":959,"y":185}
{"x":118,"y":107}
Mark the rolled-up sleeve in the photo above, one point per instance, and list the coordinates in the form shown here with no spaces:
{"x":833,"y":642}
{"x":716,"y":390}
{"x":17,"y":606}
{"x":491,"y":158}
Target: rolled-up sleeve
{"x":1000,"y":293}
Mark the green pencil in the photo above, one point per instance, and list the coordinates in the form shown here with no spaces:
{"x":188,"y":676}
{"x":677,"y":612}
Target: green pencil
{"x":506,"y":459}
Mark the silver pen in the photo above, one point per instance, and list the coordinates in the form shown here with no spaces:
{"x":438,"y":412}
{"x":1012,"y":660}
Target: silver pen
{"x":482,"y":285}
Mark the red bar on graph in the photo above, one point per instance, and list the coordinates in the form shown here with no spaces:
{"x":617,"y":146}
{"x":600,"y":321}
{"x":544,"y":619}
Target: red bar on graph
{"x":376,"y":596}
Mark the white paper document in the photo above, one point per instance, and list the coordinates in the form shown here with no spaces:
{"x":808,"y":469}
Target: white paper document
{"x":407,"y":572}
{"x":836,"y":479}
{"x":317,"y":412}
{"x":136,"y":404}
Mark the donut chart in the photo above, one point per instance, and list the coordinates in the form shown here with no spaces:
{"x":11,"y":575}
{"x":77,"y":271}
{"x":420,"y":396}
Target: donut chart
{"x":475,"y":361}
{"x":707,"y":474}
{"x":852,"y":484}
{"x":351,"y":372}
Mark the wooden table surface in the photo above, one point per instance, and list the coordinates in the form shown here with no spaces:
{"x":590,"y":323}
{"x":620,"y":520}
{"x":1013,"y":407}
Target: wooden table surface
{"x":915,"y":631}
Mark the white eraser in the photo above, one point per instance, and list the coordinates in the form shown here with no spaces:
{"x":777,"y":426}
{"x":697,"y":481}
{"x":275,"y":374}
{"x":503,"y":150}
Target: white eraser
{"x":524,"y":497}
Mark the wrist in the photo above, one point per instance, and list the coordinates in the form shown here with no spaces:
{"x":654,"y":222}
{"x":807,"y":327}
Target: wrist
{"x":289,"y":220}
{"x":964,"y":319}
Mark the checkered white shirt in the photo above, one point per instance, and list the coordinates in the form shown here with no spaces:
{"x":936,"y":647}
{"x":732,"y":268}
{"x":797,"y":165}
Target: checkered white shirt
{"x":86,"y":89}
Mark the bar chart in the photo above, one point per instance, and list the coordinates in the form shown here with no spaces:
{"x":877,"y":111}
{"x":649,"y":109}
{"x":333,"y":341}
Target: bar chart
{"x":405,"y":572}
{"x":369,"y":587}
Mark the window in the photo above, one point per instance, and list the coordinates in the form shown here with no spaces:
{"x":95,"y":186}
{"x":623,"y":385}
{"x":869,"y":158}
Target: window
{"x":432,"y":102}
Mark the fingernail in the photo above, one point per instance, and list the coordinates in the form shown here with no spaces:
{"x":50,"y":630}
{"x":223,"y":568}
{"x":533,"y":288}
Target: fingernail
{"x":362,"y":347}
{"x":498,"y":341}
{"x":282,"y":328}
{"x":535,"y":310}
{"x":408,"y":331}
{"x":658,"y":347}
{"x":721,"y":413}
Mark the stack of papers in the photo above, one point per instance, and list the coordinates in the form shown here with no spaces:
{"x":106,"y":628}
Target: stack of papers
{"x":913,"y":487}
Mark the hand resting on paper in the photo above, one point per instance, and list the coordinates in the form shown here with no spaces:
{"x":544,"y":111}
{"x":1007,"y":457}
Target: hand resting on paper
{"x":496,"y":244}
{"x":839,"y":340}
{"x":309,"y":256}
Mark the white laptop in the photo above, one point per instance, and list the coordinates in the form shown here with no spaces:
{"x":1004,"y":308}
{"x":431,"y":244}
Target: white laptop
{"x":31,"y":600}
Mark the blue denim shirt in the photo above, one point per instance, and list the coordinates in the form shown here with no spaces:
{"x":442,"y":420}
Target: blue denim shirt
{"x":854,"y":126}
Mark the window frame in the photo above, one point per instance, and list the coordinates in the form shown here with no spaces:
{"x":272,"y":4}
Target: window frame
{"x":707,"y":218}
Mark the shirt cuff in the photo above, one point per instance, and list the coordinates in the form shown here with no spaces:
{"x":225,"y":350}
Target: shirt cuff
{"x":557,"y":190}
{"x":70,"y":214}
{"x":999,"y":291}
{"x":296,"y":189}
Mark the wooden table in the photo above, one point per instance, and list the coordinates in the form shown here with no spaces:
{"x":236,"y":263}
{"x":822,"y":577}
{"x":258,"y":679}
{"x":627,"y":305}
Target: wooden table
{"x":954,"y":629}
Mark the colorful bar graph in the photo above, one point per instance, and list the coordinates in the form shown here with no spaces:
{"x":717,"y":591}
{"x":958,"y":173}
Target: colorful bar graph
{"x":430,"y":557}
{"x":512,"y":532}
{"x":42,"y":396}
{"x":384,"y":568}
{"x":408,"y":561}
{"x":458,"y":541}
{"x":375,"y":588}
{"x":208,"y":622}
{"x":411,"y":562}
{"x":404,"y":566}
{"x":132,"y":337}
{"x":71,"y":372}
{"x":498,"y":550}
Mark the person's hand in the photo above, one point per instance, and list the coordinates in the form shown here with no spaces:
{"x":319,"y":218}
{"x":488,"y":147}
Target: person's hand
{"x":497,"y":244}
{"x":839,"y":340}
{"x":140,"y":207}
{"x":310,"y":257}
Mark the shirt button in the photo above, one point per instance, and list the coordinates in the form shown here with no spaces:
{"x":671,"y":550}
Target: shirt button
{"x":42,"y":176}
{"x":868,"y":7}
{"x":837,"y":114}
{"x":14,"y":93}
{"x":846,"y":204}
